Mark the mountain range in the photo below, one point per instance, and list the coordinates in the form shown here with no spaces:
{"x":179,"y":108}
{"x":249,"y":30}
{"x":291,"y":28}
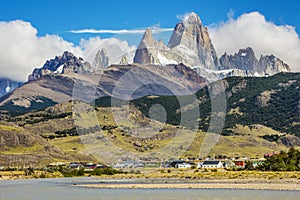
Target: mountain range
{"x":183,"y":76}
{"x":189,"y":44}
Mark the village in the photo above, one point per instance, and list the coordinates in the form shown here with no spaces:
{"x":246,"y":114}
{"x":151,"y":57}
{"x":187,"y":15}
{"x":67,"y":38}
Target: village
{"x":208,"y":163}
{"x":215,"y":167}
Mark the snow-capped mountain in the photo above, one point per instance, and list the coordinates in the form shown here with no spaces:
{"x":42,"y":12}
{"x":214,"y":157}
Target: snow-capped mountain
{"x":191,"y":42}
{"x":191,"y":45}
{"x":214,"y":75}
{"x":7,"y":85}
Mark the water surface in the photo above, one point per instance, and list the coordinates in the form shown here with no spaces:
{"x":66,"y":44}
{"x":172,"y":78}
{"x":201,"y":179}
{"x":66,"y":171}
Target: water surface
{"x":65,"y":189}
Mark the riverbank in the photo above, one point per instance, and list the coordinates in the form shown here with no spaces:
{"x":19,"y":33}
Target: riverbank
{"x":196,"y":179}
{"x":291,"y":185}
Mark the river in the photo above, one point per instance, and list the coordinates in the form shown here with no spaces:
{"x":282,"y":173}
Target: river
{"x":64,"y":189}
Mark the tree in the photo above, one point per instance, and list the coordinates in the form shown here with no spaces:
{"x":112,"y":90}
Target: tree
{"x":283,"y":161}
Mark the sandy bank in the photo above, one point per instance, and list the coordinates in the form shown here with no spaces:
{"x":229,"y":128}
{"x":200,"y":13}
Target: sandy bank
{"x":213,"y":184}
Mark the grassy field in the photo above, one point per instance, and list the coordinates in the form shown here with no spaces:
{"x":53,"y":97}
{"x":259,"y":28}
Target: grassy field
{"x":72,"y":146}
{"x":171,"y":173}
{"x":23,"y":150}
{"x":132,"y":132}
{"x":9,"y":128}
{"x":195,"y":174}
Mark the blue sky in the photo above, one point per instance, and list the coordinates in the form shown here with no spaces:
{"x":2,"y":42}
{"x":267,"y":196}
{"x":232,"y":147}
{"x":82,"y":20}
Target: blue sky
{"x":60,"y":16}
{"x":32,"y":31}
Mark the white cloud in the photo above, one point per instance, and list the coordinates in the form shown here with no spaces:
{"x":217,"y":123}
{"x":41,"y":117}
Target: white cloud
{"x":115,"y":49}
{"x":263,"y":36}
{"x":22,"y":50}
{"x":155,"y":29}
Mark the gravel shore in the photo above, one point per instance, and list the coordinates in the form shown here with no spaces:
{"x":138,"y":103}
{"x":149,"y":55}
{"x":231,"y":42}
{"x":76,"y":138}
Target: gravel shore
{"x":207,"y":184}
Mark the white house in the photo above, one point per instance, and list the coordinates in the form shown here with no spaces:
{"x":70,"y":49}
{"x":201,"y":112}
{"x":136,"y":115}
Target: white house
{"x":212,"y":164}
{"x":183,"y":166}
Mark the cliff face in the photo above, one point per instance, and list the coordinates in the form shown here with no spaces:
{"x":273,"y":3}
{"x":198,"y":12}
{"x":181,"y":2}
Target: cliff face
{"x":148,"y":50}
{"x":189,"y":44}
{"x":101,"y":60}
{"x":191,"y":40}
{"x":270,"y":65}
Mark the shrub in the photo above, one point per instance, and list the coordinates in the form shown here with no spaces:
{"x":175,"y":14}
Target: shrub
{"x":106,"y":171}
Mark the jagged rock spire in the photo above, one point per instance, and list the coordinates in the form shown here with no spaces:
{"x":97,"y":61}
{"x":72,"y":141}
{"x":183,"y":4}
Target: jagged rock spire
{"x":123,"y":60}
{"x":147,"y":50}
{"x":189,"y":44}
{"x":101,"y":60}
{"x":191,"y":37}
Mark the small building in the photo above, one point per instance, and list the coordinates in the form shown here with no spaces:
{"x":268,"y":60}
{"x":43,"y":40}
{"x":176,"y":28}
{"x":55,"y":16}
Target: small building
{"x":172,"y":163}
{"x":212,"y":164}
{"x":75,"y":165}
{"x":183,"y":165}
{"x":240,"y":163}
{"x":90,"y":166}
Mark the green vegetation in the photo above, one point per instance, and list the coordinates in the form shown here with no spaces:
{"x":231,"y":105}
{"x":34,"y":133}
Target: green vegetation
{"x":285,"y":161}
{"x":281,"y":109}
{"x":42,"y":117}
{"x":105,"y":171}
{"x":280,"y":112}
{"x":19,"y":150}
{"x":38,"y":103}
{"x":67,"y":172}
{"x":9,"y":128}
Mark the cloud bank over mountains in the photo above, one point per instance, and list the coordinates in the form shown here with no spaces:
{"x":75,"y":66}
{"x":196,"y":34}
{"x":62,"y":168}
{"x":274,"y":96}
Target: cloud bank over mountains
{"x":265,"y":37}
{"x":22,"y":49}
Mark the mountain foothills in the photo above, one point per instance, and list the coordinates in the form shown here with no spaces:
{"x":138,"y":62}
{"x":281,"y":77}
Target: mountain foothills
{"x":261,"y":116}
{"x":256,"y":101}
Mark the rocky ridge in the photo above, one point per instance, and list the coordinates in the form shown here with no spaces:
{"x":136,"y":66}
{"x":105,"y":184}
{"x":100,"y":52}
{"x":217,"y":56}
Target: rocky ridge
{"x":63,"y":64}
{"x":246,"y":61}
